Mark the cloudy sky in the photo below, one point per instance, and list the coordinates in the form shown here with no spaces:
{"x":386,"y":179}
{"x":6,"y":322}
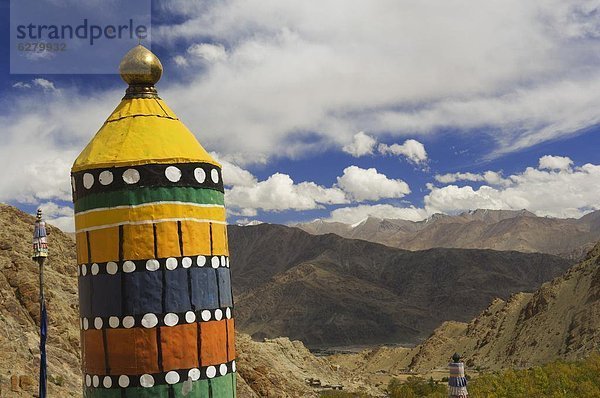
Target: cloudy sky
{"x":341,"y":109}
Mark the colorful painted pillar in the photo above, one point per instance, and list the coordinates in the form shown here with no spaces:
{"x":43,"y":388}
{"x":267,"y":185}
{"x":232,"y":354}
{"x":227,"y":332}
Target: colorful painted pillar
{"x":154,"y":283}
{"x":457,"y":382}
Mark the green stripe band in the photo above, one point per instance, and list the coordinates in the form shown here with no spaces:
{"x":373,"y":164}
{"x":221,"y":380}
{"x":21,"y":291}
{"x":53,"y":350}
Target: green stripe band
{"x":138,"y":196}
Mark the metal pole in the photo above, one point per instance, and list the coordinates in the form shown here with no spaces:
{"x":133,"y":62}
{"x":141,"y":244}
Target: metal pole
{"x":43,"y":333}
{"x":40,"y":252}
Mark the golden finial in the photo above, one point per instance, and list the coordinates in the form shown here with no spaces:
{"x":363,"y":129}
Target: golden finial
{"x":141,"y":69}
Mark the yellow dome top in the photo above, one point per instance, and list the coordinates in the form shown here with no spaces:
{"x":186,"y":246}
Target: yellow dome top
{"x":141,"y":131}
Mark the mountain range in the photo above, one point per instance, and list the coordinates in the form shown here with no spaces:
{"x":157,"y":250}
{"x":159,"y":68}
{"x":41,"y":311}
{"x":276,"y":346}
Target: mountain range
{"x":478,"y":229}
{"x":331,"y":291}
{"x":342,"y":290}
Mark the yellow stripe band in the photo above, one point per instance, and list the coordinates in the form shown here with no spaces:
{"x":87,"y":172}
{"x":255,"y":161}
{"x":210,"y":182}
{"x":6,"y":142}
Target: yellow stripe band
{"x":148,"y":214}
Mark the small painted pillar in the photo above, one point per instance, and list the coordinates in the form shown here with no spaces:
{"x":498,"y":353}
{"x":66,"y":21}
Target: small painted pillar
{"x":457,"y":382}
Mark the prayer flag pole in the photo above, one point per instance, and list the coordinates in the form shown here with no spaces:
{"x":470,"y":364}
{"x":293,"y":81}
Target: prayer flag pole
{"x":40,"y":252}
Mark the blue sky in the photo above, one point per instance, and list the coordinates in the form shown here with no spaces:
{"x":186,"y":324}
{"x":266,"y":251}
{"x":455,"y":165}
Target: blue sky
{"x":345,"y":110}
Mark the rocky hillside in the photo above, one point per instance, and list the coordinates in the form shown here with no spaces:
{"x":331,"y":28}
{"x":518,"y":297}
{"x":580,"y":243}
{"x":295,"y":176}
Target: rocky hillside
{"x":274,"y":368}
{"x":331,"y":291}
{"x":559,"y":320}
{"x":19,"y":309}
{"x":479,"y":229}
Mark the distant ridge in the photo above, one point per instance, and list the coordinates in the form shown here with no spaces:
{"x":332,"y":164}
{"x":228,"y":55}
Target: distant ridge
{"x":519,"y":230}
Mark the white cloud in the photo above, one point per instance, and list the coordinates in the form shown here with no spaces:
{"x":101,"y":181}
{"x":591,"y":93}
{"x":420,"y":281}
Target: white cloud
{"x":40,"y":143}
{"x":61,"y":217}
{"x":413,"y":150}
{"x":490,"y":177}
{"x":352,"y":215}
{"x":201,"y":52}
{"x":21,"y":85}
{"x":208,"y":52}
{"x":566,"y":192}
{"x":279,"y":192}
{"x":367,"y":184}
{"x":44,"y":84}
{"x":180,"y":60}
{"x":362,"y":144}
{"x":555,"y":162}
{"x":234,"y":175}
{"x":289,"y":69}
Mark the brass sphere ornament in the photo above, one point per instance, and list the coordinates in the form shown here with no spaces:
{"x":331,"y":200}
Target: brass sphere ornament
{"x":140,"y":67}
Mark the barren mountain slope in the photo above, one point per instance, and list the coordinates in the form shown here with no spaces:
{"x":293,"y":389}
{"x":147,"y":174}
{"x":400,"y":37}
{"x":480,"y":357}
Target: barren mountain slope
{"x":330,"y":291}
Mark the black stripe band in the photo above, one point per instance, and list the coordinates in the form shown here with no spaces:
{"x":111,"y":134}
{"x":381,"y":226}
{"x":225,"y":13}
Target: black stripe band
{"x":151,"y":320}
{"x":162,"y":378}
{"x":199,"y":175}
{"x":169,"y":264}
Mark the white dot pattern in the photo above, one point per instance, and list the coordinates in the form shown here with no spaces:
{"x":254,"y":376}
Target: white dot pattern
{"x":171,"y":319}
{"x":88,"y":180}
{"x":146,"y":380}
{"x":172,"y":377}
{"x":211,"y":372}
{"x":171,"y":263}
{"x":111,"y":268}
{"x":128,"y":266}
{"x":150,"y":380}
{"x":106,"y":177}
{"x":116,"y":178}
{"x":113,"y":322}
{"x":128,"y":322}
{"x":194,"y":374}
{"x":152,"y":265}
{"x":190,"y":317}
{"x":131,"y":176}
{"x":149,"y":321}
{"x":214,"y":176}
{"x":173,"y":174}
{"x":123,"y":381}
{"x":206,"y":315}
{"x":200,"y":175}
